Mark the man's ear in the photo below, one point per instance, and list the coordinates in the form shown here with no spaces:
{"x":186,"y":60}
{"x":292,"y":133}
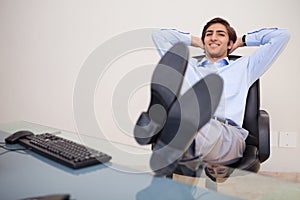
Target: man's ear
{"x":230,"y":45}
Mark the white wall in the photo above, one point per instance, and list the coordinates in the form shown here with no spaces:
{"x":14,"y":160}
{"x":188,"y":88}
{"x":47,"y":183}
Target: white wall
{"x":45,"y":43}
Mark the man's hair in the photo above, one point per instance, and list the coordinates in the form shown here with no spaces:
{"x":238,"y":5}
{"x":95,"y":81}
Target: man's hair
{"x":230,"y":30}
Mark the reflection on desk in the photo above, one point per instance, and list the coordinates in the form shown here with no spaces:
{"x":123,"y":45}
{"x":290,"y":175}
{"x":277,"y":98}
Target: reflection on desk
{"x":174,"y":190}
{"x":238,"y":183}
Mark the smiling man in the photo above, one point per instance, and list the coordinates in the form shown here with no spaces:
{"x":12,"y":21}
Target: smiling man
{"x":222,"y":139}
{"x":217,"y":39}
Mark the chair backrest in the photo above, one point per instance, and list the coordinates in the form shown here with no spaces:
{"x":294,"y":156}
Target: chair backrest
{"x":250,"y":122}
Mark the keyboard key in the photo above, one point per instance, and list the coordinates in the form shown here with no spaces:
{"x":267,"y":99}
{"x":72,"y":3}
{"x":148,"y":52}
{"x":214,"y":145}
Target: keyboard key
{"x":64,"y":151}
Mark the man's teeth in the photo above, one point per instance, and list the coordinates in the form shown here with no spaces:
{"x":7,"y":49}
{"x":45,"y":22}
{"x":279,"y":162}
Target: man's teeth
{"x":213,"y":45}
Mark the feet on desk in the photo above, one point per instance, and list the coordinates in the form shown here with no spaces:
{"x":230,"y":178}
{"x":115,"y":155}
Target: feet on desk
{"x":166,"y":82}
{"x":187,"y":115}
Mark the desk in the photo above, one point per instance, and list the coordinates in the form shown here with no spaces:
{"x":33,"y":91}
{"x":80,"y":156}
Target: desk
{"x":26,"y":174}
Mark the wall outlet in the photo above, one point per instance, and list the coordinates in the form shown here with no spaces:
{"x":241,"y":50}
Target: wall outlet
{"x":288,"y":139}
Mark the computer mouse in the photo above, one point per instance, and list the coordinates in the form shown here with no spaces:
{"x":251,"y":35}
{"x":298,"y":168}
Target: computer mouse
{"x":13,"y":139}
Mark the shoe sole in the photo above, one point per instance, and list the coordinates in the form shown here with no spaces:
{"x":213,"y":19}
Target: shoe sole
{"x":166,"y":83}
{"x":186,"y":116}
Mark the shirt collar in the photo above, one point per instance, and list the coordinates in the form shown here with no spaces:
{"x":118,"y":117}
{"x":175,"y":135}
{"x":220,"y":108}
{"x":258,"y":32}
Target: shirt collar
{"x":220,"y":63}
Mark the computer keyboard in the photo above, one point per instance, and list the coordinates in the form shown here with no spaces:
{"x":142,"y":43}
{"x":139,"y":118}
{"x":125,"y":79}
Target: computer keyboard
{"x":64,"y":151}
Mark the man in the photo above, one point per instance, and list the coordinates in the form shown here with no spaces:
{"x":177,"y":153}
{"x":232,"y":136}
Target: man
{"x":222,"y":139}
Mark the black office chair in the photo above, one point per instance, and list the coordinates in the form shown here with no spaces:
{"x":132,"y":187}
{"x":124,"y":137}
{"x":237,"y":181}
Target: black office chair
{"x":256,"y":121}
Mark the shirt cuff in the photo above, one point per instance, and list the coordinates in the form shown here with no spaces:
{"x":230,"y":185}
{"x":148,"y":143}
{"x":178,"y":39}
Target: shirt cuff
{"x":255,"y":38}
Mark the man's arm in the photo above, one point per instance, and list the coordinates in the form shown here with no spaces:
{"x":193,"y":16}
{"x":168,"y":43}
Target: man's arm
{"x":271,"y":41}
{"x":164,"y":39}
{"x":197,"y":42}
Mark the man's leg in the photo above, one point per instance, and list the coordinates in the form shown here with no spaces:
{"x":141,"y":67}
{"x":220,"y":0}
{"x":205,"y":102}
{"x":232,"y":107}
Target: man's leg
{"x":220,"y":143}
{"x":166,"y":82}
{"x":186,"y":116}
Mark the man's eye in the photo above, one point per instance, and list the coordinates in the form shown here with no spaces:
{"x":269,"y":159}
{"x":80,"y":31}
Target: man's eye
{"x":222,"y":171}
{"x":211,"y":171}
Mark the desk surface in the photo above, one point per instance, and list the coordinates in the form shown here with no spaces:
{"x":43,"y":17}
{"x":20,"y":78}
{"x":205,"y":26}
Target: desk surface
{"x":127,"y":176}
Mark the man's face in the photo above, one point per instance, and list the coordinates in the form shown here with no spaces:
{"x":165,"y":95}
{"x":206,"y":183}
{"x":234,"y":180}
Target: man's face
{"x":219,"y":172}
{"x":216,"y":42}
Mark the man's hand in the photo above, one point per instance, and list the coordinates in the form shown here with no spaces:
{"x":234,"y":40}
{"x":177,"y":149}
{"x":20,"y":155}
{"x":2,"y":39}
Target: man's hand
{"x":238,"y":43}
{"x":197,"y":42}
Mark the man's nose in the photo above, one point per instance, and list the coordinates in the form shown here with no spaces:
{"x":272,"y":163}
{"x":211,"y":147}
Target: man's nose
{"x":214,"y":36}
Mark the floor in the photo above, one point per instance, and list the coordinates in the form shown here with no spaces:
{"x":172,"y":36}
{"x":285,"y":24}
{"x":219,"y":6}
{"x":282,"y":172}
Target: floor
{"x":290,"y":176}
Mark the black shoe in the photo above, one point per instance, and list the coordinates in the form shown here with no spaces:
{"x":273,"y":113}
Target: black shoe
{"x":186,"y":116}
{"x":166,"y":82}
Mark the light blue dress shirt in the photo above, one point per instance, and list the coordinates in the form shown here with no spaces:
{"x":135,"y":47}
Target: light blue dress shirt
{"x":238,"y":75}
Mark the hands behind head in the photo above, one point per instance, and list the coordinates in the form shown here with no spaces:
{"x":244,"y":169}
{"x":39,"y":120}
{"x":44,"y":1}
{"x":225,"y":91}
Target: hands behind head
{"x":238,"y":43}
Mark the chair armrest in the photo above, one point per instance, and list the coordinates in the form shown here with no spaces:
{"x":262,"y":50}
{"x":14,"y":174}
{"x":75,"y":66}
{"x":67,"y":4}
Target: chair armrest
{"x":249,"y":161}
{"x":264,"y":135}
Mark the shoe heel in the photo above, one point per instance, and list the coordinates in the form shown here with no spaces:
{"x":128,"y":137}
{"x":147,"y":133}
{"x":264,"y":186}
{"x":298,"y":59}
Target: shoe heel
{"x":146,"y":129}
